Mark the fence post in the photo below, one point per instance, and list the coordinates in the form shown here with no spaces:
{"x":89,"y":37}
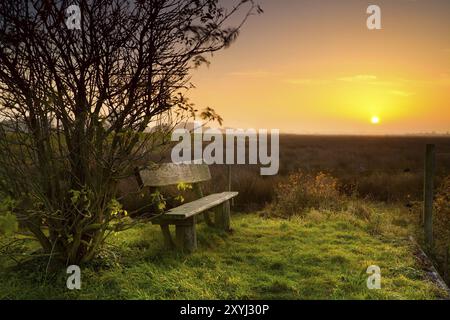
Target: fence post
{"x":229,"y":182}
{"x":430,"y":157}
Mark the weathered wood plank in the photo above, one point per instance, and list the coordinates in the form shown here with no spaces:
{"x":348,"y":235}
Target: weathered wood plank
{"x":198,"y":206}
{"x":222,"y":217}
{"x":186,"y":236}
{"x":168,"y":242}
{"x":167,"y":174}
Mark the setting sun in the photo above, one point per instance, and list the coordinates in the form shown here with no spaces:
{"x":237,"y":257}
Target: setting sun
{"x":309,"y":82}
{"x":375,"y":120}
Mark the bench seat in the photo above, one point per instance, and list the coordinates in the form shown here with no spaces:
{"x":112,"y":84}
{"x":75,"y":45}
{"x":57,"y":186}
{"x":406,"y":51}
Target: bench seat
{"x":195,"y":207}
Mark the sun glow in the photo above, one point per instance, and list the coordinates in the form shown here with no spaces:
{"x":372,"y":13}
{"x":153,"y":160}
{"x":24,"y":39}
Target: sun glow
{"x":375,"y":120}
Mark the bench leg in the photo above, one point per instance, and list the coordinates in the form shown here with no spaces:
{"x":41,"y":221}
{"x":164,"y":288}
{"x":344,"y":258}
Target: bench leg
{"x":222,"y":216}
{"x":186,"y":235}
{"x":208,"y":220}
{"x":168,"y":242}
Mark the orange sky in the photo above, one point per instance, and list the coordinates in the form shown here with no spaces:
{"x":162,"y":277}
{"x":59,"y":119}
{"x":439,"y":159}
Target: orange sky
{"x":312,"y":66}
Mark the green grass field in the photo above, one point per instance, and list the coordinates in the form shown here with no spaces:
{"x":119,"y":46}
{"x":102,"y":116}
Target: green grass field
{"x":321,"y":256}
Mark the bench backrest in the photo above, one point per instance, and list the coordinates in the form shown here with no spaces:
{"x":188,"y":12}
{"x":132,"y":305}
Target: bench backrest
{"x":167,"y":174}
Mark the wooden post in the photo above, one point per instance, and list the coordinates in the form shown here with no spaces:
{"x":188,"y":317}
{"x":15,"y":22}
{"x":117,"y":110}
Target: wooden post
{"x":222,"y":217}
{"x":226,"y":216}
{"x":428,"y":194}
{"x":168,"y":242}
{"x":186,"y":235}
{"x":447,"y":251}
{"x":229,"y":183}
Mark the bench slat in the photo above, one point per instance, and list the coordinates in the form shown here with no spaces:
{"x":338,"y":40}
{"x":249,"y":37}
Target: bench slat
{"x":198,"y":206}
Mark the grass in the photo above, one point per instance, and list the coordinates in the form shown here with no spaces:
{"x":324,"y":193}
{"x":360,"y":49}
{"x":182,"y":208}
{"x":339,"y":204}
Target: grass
{"x":322,"y":256}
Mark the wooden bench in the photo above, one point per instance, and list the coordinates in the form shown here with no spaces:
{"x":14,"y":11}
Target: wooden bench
{"x":184,"y":217}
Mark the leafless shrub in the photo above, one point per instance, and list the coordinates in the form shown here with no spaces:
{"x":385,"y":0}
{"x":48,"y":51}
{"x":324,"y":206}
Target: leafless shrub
{"x":75,"y":105}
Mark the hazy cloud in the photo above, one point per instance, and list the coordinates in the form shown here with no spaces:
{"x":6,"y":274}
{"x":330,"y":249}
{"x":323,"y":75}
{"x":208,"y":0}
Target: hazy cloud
{"x":402,"y":93}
